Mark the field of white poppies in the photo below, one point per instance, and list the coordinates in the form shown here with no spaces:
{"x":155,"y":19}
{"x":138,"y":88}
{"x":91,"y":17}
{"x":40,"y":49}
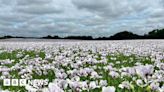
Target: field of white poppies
{"x":84,"y":66}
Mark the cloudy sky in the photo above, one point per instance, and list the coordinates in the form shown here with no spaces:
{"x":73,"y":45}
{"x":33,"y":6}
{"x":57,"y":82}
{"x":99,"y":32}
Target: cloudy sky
{"x":79,"y":17}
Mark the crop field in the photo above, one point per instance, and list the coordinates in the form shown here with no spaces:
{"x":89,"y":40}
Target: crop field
{"x":84,"y":66}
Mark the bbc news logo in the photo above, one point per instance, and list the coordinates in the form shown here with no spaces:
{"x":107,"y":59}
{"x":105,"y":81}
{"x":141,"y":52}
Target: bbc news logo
{"x":14,"y":82}
{"x":24,"y":82}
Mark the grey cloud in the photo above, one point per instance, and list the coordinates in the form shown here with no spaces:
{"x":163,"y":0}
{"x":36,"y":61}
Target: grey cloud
{"x":79,"y":17}
{"x":157,"y":12}
{"x":91,"y":4}
{"x":33,"y":2}
{"x":113,"y":8}
{"x":15,"y":17}
{"x":39,"y":9}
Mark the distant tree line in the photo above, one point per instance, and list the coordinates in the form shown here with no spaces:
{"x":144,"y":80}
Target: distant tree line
{"x":70,"y":37}
{"x":155,"y":34}
{"x":8,"y":37}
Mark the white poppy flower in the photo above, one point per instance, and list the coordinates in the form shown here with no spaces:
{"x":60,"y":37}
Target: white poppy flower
{"x":154,"y":86}
{"x":114,"y":74}
{"x":92,"y":85}
{"x":103,"y":83}
{"x":108,"y":89}
{"x":125,"y":84}
{"x":30,"y":88}
{"x":54,"y":88}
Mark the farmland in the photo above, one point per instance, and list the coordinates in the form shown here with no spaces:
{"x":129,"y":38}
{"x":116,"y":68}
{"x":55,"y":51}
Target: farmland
{"x":84,"y":66}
